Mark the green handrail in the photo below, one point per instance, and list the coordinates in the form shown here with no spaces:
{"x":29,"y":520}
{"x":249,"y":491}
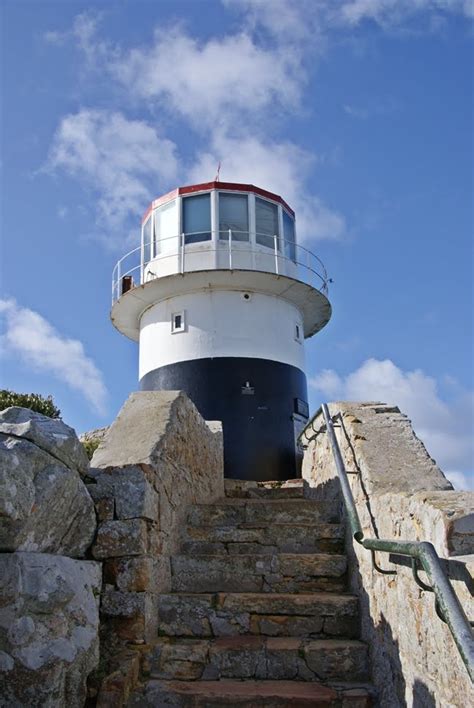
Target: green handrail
{"x":448,"y":606}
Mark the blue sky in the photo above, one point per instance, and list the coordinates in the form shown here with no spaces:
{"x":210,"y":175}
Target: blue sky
{"x":358,"y":112}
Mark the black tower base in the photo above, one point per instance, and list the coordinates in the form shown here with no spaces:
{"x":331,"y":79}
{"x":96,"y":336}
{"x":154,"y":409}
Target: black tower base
{"x":262,"y":405}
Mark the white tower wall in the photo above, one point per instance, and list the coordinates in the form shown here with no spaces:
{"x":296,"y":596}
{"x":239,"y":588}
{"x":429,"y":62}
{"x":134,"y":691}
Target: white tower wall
{"x":221,"y":324}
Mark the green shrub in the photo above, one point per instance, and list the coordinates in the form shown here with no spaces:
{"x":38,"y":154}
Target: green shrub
{"x":91,"y":446}
{"x":35,"y":401}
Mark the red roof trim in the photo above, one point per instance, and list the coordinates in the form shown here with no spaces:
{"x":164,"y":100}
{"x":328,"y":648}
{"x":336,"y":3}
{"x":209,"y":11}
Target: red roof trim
{"x":147,"y":214}
{"x":222,"y":186}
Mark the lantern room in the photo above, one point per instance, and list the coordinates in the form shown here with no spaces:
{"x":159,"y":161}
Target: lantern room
{"x":215,"y":225}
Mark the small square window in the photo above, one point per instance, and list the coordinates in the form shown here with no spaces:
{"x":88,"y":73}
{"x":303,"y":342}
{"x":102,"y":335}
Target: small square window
{"x":177,"y":322}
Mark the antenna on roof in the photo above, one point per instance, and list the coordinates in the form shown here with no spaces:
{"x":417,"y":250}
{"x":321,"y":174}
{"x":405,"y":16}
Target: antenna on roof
{"x":218,"y":172}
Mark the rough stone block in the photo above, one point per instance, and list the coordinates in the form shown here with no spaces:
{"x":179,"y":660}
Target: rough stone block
{"x":336,"y":658}
{"x":49,"y":434}
{"x":139,"y":574}
{"x":164,"y":426}
{"x":216,"y":694}
{"x":249,"y":512}
{"x":105,"y":509}
{"x":131,"y":489}
{"x":229,"y":614}
{"x":116,"y":687}
{"x":122,"y":604}
{"x":250,"y":657}
{"x":134,"y":613}
{"x":182,"y":662}
{"x":44,"y":505}
{"x":49,"y":624}
{"x":124,"y":629}
{"x":131,"y":537}
{"x":257,"y":573}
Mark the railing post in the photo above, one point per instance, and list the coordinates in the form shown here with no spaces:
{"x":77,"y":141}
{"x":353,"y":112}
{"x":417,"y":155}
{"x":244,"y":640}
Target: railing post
{"x":230,"y":249}
{"x":119,"y":285}
{"x":182,"y":254}
{"x":275,"y":244}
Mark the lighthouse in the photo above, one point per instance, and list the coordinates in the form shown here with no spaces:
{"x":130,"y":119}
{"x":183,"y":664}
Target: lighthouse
{"x":221,"y":297}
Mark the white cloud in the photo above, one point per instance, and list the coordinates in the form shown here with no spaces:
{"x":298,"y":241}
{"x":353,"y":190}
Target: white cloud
{"x":459,"y":480}
{"x":315,"y":20}
{"x":84,"y":34}
{"x":32,"y":338}
{"x":212,"y":83}
{"x":445,"y":427}
{"x":286,"y":20}
{"x":125,"y":161}
{"x":281,"y":167}
{"x":389,"y":13}
{"x":356,"y":111}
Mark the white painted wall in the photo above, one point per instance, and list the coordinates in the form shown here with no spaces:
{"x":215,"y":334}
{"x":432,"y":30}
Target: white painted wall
{"x":221,"y":323}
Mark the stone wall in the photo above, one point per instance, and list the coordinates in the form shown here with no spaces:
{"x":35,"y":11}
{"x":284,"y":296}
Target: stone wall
{"x":400,"y":493}
{"x":157,"y":459}
{"x":49,"y":593}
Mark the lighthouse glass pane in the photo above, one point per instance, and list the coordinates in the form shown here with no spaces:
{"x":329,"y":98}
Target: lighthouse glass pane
{"x":266,"y":218}
{"x":233,"y":216}
{"x":147,"y":240}
{"x":289,"y":236}
{"x":197,"y":218}
{"x":166,"y":228}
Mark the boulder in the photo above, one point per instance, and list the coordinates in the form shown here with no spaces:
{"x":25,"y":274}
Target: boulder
{"x":49,"y":629}
{"x":44,"y":505}
{"x":50,"y":434}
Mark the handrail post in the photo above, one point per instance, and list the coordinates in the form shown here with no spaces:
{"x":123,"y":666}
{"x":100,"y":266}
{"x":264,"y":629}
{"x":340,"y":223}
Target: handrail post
{"x":182,"y":254}
{"x":343,"y":479}
{"x":275,"y":245}
{"x":230,"y":249}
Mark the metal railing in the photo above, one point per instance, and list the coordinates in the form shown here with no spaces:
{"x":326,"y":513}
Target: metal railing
{"x":422,"y":553}
{"x":264,"y":253}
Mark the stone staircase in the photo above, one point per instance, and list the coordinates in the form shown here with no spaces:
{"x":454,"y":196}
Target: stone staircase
{"x":258,"y":614}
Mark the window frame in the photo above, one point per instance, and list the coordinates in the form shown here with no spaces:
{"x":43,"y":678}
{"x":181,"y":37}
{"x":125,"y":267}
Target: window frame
{"x":285,"y":242}
{"x":169,"y":240}
{"x":245,"y":195}
{"x":270,"y":236}
{"x":192,"y":234}
{"x":182,"y":327}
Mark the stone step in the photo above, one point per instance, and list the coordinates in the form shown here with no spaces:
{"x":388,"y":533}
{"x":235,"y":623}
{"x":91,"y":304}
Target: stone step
{"x":282,"y":573}
{"x":234,"y":512}
{"x":251,"y":694}
{"x":270,"y":614}
{"x":244,"y":489}
{"x":263,"y":658}
{"x":267,"y":538}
